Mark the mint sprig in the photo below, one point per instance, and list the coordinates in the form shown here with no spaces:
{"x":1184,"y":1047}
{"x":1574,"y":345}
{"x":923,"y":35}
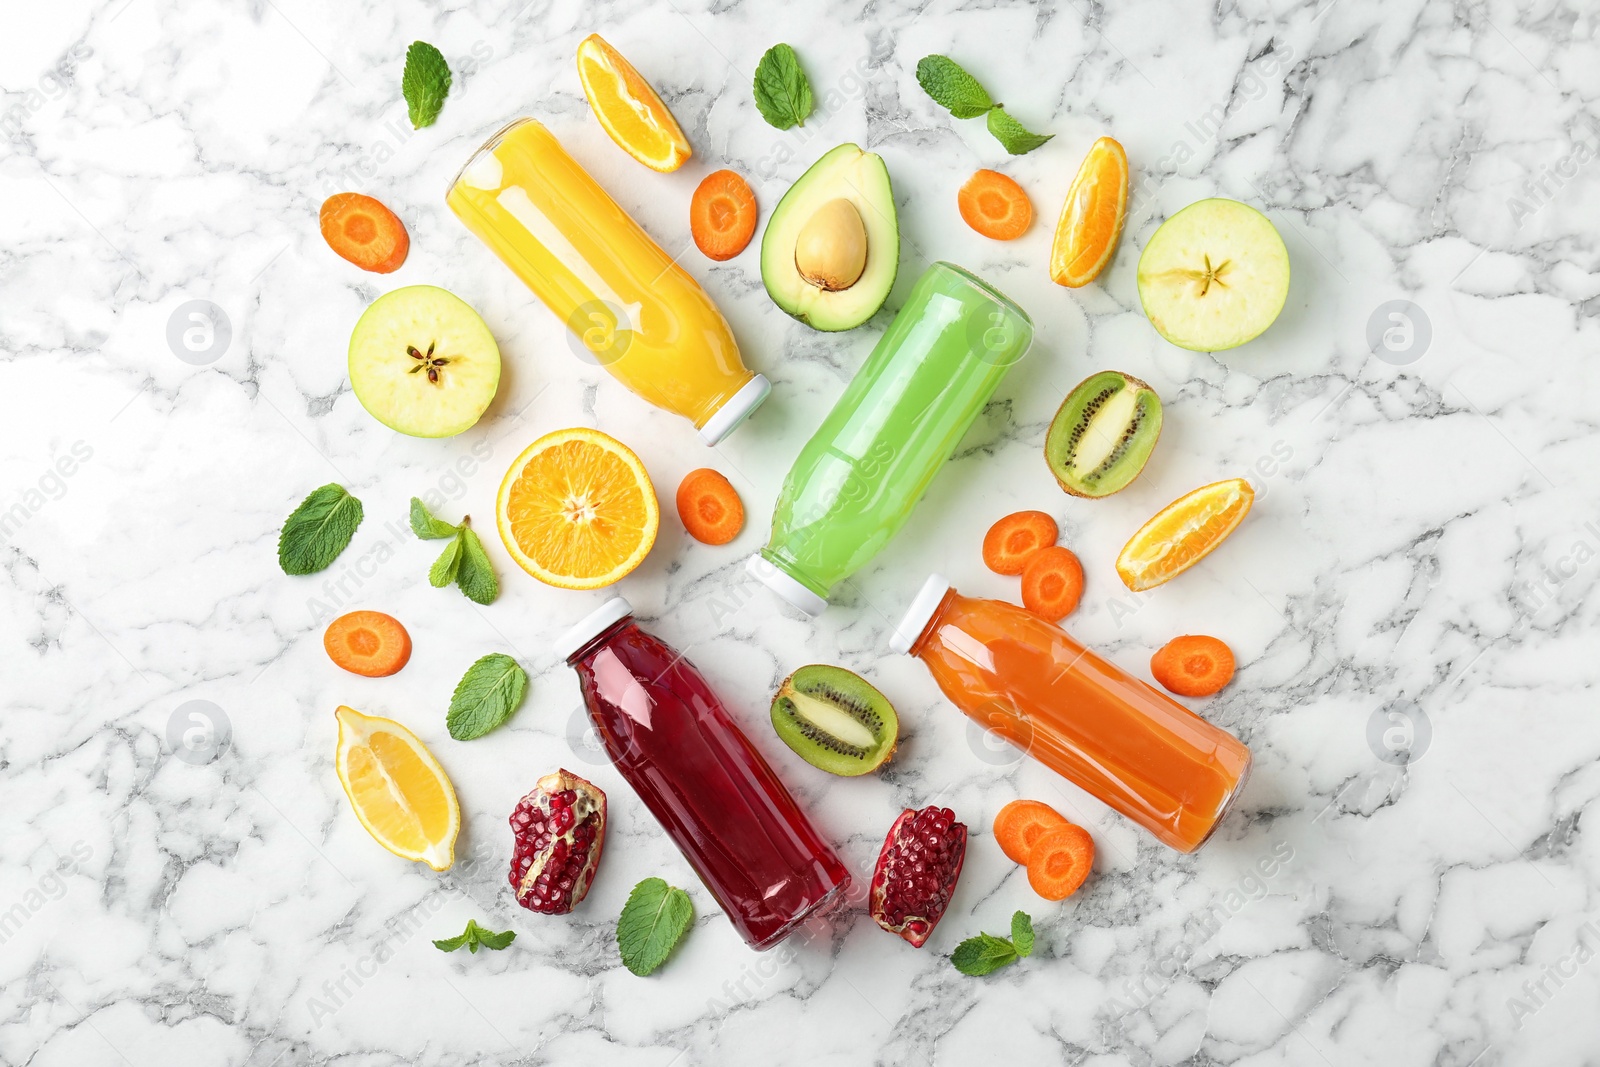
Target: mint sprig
{"x":783,"y":93}
{"x":318,"y":530}
{"x":463,"y":561}
{"x":1013,"y":136}
{"x":474,"y":937}
{"x":986,"y":953}
{"x":425,"y":83}
{"x":486,"y":696}
{"x":952,"y":88}
{"x":959,"y":93}
{"x":653,"y":922}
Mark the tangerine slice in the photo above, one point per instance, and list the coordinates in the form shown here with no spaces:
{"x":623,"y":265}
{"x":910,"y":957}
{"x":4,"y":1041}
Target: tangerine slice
{"x":1091,"y":218}
{"x":398,"y":790}
{"x":1183,"y":533}
{"x":577,"y":509}
{"x":629,"y":110}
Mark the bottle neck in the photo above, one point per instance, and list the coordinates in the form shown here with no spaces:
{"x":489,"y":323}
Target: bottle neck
{"x":935,"y":621}
{"x":592,"y":645}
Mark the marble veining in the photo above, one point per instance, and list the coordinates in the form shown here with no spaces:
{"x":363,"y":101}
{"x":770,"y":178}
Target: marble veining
{"x":1409,"y":879}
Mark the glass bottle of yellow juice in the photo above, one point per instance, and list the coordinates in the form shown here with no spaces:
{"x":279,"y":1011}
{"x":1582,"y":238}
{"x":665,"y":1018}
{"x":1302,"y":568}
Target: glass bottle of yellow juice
{"x":636,"y":311}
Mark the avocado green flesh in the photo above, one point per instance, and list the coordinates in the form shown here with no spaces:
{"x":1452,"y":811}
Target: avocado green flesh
{"x":845,"y":173}
{"x":1103,"y":434}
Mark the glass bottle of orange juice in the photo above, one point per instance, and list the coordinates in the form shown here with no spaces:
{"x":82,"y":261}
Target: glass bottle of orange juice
{"x":635,"y":311}
{"x":1137,"y":750}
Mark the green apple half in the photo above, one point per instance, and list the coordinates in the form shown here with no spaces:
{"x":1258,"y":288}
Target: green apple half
{"x":1214,"y":276}
{"x":423,"y":362}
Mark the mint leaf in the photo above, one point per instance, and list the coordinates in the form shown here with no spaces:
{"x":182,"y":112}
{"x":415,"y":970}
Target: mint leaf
{"x":952,"y":88}
{"x":486,"y":696}
{"x":318,"y":530}
{"x":444,"y":569}
{"x":1022,"y":933}
{"x":425,"y":526}
{"x":783,"y":95}
{"x":982,"y":955}
{"x":463,"y":560}
{"x":491,"y":940}
{"x":425,"y":83}
{"x":475,"y":575}
{"x":1013,"y":136}
{"x":653,"y":921}
{"x":450,"y":944}
{"x":474,"y":936}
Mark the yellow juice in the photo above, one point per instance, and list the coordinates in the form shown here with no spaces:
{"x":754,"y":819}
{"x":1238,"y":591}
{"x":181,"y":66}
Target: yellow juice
{"x":634,"y":310}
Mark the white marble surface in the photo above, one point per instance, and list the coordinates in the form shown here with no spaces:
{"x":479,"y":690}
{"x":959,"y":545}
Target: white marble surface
{"x":1425,"y":539}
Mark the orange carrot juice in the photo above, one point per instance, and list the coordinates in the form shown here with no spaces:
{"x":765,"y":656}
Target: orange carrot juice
{"x":1137,"y":750}
{"x":635,"y":311}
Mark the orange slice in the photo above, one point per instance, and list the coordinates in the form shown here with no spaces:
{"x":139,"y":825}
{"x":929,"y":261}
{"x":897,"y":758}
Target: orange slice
{"x":1183,"y":533}
{"x":628,"y":109}
{"x":577,"y":510}
{"x":1091,"y":219}
{"x":399,"y":791}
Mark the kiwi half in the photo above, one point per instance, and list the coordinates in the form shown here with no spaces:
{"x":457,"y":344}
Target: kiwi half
{"x":1103,"y":433}
{"x":835,"y":720}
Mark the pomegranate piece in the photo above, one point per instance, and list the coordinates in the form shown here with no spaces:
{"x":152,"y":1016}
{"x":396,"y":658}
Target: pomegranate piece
{"x":559,"y":830}
{"x":917,"y":872}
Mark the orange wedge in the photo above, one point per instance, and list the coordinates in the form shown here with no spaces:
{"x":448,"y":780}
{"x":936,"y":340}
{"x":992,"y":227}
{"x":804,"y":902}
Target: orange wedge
{"x":1091,"y":219}
{"x":577,"y":510}
{"x":628,"y":109}
{"x":399,"y":791}
{"x":1183,"y":533}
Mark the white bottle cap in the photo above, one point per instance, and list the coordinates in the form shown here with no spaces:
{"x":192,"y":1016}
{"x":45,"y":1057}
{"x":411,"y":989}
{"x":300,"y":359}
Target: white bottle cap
{"x":590,"y":626}
{"x":786,"y":586}
{"x":735,"y":410}
{"x":915,"y":620}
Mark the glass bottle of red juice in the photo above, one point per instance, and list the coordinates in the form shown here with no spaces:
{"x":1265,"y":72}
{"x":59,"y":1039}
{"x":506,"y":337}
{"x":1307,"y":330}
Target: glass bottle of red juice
{"x":669,"y":735}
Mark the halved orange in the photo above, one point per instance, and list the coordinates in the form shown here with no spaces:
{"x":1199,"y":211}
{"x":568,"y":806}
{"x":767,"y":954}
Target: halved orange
{"x":1183,"y":533}
{"x":577,"y":509}
{"x":1091,"y":218}
{"x":628,"y":109}
{"x":398,"y":790}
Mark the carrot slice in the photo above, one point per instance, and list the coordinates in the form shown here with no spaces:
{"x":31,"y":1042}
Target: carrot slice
{"x":1052,"y":583}
{"x":1012,"y":541}
{"x":1021,"y":823}
{"x":710,"y":507}
{"x":722,"y":215}
{"x":995,"y":206}
{"x":1060,"y":861}
{"x":364,"y":232}
{"x":1193,"y":665}
{"x":367,"y":642}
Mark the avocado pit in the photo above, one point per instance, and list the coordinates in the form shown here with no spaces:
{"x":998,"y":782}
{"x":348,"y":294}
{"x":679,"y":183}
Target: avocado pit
{"x":831,"y":252}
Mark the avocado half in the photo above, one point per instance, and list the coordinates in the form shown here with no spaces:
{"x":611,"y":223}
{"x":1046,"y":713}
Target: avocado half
{"x":808,"y":221}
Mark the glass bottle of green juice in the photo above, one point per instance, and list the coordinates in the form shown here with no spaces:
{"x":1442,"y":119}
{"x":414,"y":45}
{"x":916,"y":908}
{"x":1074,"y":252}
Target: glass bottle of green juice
{"x":854,"y":484}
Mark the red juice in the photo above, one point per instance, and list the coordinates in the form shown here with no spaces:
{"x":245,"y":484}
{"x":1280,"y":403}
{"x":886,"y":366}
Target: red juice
{"x":669,"y":735}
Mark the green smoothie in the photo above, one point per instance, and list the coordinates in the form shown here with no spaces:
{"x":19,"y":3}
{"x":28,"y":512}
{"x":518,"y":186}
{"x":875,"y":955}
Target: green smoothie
{"x":854,"y":484}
